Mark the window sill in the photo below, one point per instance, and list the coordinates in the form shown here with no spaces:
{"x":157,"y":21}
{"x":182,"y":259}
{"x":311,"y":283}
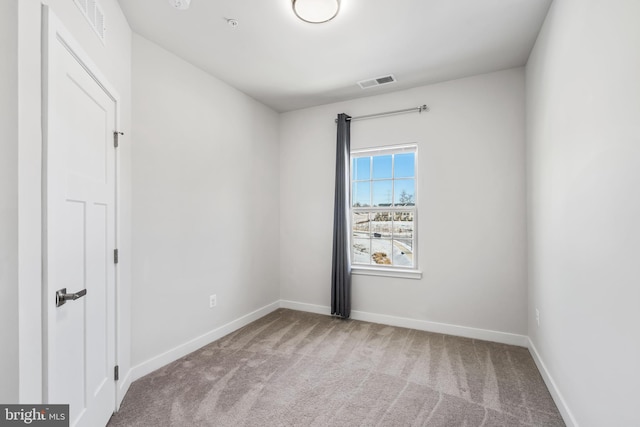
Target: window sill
{"x":386,"y":272}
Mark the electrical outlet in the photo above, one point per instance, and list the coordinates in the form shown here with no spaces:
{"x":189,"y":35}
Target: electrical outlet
{"x":537,"y":317}
{"x":212,"y":301}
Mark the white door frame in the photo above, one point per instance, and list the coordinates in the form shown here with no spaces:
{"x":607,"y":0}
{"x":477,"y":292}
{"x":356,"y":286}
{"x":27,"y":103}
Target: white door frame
{"x":52,"y":28}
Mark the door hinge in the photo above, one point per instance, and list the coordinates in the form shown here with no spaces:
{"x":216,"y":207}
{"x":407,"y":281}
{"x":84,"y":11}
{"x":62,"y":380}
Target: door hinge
{"x":116,"y":137}
{"x":115,"y":256}
{"x":116,"y":373}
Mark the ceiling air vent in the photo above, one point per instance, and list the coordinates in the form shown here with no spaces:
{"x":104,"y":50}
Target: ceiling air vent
{"x":378,"y":81}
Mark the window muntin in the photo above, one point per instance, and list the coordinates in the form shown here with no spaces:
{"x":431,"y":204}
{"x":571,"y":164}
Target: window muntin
{"x":383,"y":207}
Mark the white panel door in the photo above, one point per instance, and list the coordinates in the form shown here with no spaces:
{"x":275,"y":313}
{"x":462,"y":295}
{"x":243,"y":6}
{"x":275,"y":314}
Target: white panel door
{"x":79,"y":229}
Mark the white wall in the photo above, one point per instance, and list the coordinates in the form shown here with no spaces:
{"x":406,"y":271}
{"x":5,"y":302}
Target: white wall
{"x":9,"y":201}
{"x":206,"y":202}
{"x":114,"y":61}
{"x":583,"y":151}
{"x":471,"y":202}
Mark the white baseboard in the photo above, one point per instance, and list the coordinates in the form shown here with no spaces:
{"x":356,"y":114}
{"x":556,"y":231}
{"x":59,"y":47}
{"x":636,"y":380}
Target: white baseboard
{"x":181,"y":350}
{"x":443,"y":328}
{"x":422,"y":325}
{"x":302,"y":306}
{"x":566,"y":413}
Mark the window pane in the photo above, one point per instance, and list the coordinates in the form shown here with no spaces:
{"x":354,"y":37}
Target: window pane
{"x":403,"y":226}
{"x":361,"y":224}
{"x":381,"y":251}
{"x":361,"y":251}
{"x":403,"y":239}
{"x":361,"y":168}
{"x":404,"y":192}
{"x":382,"y":167}
{"x":382,"y":191}
{"x":361,"y":194}
{"x":381,"y":225}
{"x":401,"y":257}
{"x":404,"y":166}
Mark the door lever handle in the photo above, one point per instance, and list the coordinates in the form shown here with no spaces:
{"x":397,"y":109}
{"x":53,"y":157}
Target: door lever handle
{"x":62,"y":296}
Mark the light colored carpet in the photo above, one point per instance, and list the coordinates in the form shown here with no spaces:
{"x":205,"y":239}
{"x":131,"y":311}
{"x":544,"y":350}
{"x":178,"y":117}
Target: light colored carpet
{"x":292,"y":368}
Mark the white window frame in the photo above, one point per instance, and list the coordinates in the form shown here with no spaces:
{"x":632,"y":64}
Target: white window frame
{"x":386,"y":270}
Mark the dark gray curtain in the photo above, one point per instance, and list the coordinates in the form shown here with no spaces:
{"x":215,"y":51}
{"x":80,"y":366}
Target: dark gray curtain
{"x":341,"y":269}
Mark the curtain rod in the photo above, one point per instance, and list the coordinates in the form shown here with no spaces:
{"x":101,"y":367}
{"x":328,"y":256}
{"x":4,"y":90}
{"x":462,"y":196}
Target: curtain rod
{"x":419,"y":109}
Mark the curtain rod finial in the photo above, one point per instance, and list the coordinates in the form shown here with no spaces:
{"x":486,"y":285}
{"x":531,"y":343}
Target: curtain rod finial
{"x":423,"y":107}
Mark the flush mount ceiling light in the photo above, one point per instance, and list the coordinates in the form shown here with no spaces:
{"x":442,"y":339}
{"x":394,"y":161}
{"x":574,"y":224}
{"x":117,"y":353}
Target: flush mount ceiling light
{"x":180,"y":4}
{"x":316,"y":11}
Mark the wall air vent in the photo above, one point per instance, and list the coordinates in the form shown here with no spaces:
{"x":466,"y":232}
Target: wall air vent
{"x":378,"y":81}
{"x":94,"y":14}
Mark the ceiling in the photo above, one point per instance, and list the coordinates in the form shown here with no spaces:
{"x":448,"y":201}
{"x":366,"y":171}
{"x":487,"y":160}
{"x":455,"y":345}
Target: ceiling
{"x":288,"y":64}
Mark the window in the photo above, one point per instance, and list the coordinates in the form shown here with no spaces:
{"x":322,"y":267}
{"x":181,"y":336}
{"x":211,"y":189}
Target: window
{"x":383,"y":207}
